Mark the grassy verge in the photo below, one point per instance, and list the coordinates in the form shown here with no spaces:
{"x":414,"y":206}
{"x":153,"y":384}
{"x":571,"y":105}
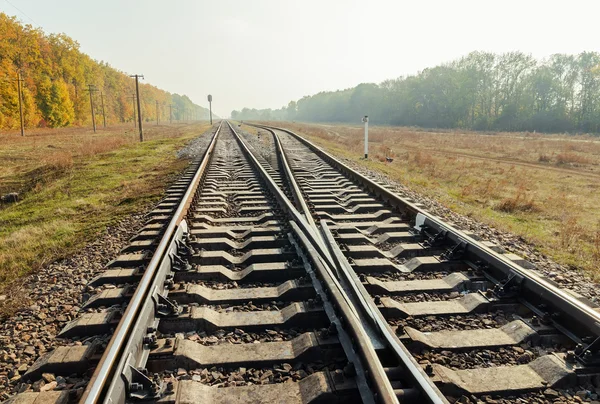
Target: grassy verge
{"x":519,"y":184}
{"x":79,"y":193}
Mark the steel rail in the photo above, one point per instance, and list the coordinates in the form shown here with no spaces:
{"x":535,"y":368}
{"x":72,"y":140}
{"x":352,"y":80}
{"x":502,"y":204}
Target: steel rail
{"x":534,"y":285}
{"x":302,"y":206}
{"x":113,"y":354}
{"x":313,"y":236}
{"x":315,"y":246}
{"x":305,"y":210}
{"x":364,"y":347}
{"x":363,"y":300}
{"x":423,"y":381}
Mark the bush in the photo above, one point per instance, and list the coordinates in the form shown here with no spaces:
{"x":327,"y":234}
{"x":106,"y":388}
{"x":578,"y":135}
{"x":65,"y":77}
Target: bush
{"x":518,"y":203}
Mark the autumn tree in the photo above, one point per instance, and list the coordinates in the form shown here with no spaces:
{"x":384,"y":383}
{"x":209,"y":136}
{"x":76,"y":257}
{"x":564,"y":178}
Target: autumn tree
{"x":55,"y":78}
{"x":484,"y":91}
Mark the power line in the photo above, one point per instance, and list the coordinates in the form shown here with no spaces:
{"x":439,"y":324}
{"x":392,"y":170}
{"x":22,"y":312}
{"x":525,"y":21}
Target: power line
{"x":22,"y":12}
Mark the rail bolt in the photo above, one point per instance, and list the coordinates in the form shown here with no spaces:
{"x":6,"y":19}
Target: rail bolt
{"x":429,"y":369}
{"x":546,"y":318}
{"x":350,"y":369}
{"x":338,"y":376}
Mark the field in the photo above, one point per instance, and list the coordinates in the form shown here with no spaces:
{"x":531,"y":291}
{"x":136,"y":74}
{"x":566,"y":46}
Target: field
{"x":542,"y":187}
{"x":72,"y":183}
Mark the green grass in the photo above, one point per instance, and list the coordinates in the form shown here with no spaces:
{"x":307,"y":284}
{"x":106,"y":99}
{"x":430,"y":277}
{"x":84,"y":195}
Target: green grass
{"x":58,"y":216}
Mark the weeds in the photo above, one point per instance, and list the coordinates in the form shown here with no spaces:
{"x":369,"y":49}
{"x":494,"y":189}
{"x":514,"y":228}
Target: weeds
{"x":518,"y":203}
{"x":423,"y":159}
{"x":60,"y":162}
{"x":596,"y":244}
{"x":571,"y":158}
{"x":544,"y":158}
{"x":94,"y":146}
{"x":570,"y":231}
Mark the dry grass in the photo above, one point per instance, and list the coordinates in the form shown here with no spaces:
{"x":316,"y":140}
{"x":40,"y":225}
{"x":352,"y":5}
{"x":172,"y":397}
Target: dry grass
{"x":541,"y":187}
{"x":42,"y":154}
{"x":519,"y":202}
{"x":74,"y":183}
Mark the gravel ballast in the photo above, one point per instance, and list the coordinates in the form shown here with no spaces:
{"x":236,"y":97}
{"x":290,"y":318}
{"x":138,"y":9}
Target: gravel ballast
{"x":570,"y":279}
{"x":52,"y":299}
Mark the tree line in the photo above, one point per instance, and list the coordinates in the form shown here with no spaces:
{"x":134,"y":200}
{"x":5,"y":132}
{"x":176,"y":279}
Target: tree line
{"x":55,"y":77}
{"x":483,"y":91}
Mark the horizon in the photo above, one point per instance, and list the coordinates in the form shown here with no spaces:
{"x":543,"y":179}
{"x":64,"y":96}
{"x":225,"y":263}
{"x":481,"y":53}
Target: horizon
{"x":267,"y":64}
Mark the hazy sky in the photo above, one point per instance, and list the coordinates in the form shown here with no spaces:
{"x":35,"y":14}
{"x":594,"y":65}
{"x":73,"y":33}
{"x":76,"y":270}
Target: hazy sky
{"x":264,"y":53}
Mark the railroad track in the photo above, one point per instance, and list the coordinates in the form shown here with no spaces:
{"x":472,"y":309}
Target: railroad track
{"x":272,"y":272}
{"x":479,"y":321}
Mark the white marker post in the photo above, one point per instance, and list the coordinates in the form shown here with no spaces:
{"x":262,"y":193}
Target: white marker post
{"x":366,"y":121}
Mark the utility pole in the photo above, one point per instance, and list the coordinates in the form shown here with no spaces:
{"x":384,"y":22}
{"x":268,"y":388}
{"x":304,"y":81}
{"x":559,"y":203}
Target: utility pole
{"x":91,"y":89}
{"x":137,"y":91}
{"x":103,"y":112}
{"x":156,"y":112}
{"x":170,"y":113}
{"x":19,"y":80}
{"x":133,"y":101}
{"x":210,"y":106}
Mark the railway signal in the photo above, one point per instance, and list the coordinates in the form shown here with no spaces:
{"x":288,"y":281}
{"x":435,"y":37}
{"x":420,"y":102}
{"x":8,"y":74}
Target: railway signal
{"x":210,"y":106}
{"x":366,"y":121}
